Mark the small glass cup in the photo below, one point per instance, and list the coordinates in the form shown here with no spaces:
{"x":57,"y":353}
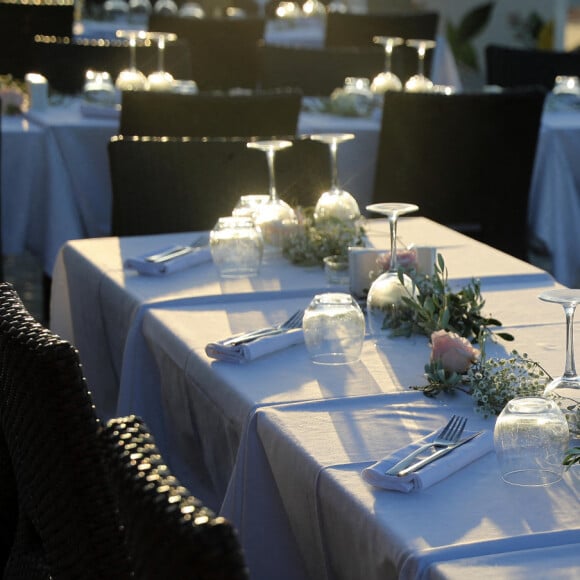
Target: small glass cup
{"x":236,"y":247}
{"x":248,"y":205}
{"x":334,"y":329}
{"x":336,"y":270}
{"x":531,"y":438}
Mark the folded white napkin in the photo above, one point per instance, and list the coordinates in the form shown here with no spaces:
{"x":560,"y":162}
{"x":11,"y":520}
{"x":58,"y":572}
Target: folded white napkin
{"x":257,"y":348}
{"x":143,"y":266}
{"x":431,"y":473}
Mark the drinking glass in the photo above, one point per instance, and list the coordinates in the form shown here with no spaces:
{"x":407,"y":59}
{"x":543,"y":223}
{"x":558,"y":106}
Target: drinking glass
{"x":530,"y":440}
{"x":387,"y":80}
{"x":419,"y":82}
{"x":384,"y":301}
{"x":275,"y":217}
{"x":334,"y":329}
{"x":336,"y":202}
{"x":131,"y":78}
{"x":565,"y":390}
{"x":161,"y":80}
{"x":248,"y":204}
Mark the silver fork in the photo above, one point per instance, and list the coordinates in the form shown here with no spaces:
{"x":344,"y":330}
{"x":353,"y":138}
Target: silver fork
{"x":295,"y":321}
{"x":448,"y":436}
{"x":177,"y":251}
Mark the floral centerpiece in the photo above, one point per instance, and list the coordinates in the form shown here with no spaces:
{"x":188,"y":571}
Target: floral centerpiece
{"x":13,"y":95}
{"x":312,"y":241}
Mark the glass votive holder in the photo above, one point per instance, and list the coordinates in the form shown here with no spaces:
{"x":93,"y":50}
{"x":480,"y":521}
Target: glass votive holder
{"x":530,"y":438}
{"x":334,"y":329}
{"x":248,"y":205}
{"x":336,"y":270}
{"x":236,"y":247}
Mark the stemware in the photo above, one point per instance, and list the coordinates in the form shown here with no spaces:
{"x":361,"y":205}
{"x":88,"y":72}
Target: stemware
{"x":384,"y":301}
{"x":387,"y":80}
{"x":131,"y":78}
{"x":275,"y":217}
{"x":336,"y":202}
{"x":419,"y":82}
{"x":566,"y":388}
{"x":161,"y":80}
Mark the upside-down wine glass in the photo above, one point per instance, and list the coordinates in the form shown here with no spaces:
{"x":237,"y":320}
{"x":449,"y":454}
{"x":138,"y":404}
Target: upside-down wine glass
{"x":387,"y":80}
{"x":131,"y":78}
{"x":161,"y":80}
{"x":384,"y":300}
{"x":336,"y":202}
{"x":566,"y":388}
{"x":275,"y":217}
{"x":419,"y":82}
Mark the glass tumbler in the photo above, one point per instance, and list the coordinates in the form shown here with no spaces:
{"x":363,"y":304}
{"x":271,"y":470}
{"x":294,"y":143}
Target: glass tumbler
{"x":530,"y":439}
{"x":334,"y":329}
{"x":236,"y":247}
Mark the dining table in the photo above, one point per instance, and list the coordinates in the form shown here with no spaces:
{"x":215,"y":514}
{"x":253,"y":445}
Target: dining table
{"x":278,"y":445}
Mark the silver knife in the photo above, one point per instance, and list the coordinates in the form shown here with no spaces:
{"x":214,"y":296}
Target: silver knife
{"x":436,"y":455}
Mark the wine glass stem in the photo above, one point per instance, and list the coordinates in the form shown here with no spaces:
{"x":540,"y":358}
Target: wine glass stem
{"x":393,"y":229}
{"x":388,"y":56}
{"x":334,"y":166}
{"x":421,"y":51}
{"x":132,"y":53}
{"x":270,"y":153}
{"x":570,"y":371}
{"x":161,"y":54}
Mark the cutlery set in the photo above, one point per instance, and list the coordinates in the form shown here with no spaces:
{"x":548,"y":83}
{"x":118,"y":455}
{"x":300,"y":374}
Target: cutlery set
{"x":446,"y":441}
{"x":177,"y":251}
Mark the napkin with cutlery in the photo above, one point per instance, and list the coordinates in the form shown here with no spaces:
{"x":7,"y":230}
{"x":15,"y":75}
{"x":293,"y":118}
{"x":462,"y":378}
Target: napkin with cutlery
{"x":433,"y":472}
{"x":148,"y":267}
{"x":249,"y":351}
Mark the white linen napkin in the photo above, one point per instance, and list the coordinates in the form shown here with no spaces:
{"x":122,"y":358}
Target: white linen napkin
{"x":431,"y":473}
{"x":143,"y":266}
{"x":257,"y":348}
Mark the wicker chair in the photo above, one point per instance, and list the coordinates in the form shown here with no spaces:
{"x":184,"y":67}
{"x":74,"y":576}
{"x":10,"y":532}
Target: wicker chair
{"x":263,"y":113}
{"x":66,"y":526}
{"x":466,"y":160}
{"x":181,"y":184}
{"x":170,"y":533}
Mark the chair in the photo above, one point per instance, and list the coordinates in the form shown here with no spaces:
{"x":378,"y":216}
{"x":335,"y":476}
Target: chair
{"x":516,"y":67}
{"x":316,"y":71}
{"x":223,"y":49}
{"x":466,"y":160}
{"x":64,"y":60}
{"x":1,"y":232}
{"x":20,"y":21}
{"x":170,"y":533}
{"x":67,"y":525}
{"x":172,"y":185}
{"x":264,"y":113}
{"x":353,"y":29}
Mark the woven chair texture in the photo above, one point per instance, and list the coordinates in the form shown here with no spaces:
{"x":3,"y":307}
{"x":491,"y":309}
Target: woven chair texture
{"x":67,"y":520}
{"x":171,"y":534}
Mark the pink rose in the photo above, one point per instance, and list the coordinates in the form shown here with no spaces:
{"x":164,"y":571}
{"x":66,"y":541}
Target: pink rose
{"x":455,"y":352}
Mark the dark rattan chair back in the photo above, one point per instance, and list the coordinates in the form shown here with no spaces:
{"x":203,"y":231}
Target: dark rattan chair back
{"x":67,"y":520}
{"x":223,"y":50}
{"x":172,"y":185}
{"x":264,"y":113}
{"x":466,"y":160}
{"x":316,"y":71}
{"x":508,"y":66}
{"x":170,"y":533}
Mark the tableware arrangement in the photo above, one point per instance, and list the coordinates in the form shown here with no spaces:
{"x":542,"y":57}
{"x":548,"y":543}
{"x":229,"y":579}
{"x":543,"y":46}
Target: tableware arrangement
{"x":236,"y":246}
{"x":160,"y":79}
{"x":354,"y":99}
{"x":387,"y":80}
{"x":336,"y":203}
{"x":565,"y":389}
{"x":419,"y":82}
{"x":530,"y":438}
{"x":431,"y":469}
{"x":249,"y":346}
{"x":384,"y":300}
{"x":334,"y":329}
{"x":99,"y":88}
{"x":275,"y":217}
